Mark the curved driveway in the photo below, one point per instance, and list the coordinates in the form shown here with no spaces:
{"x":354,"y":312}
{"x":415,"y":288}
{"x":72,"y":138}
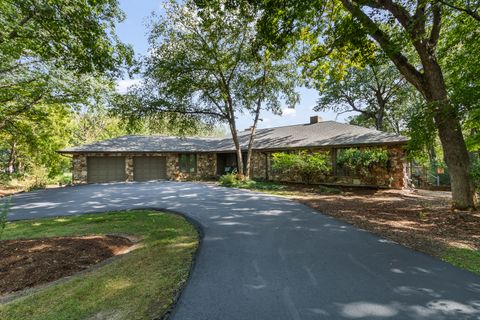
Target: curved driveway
{"x":265,"y":257}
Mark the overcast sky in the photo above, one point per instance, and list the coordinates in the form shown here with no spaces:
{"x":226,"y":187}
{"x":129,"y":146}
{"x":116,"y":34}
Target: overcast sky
{"x":134,"y":31}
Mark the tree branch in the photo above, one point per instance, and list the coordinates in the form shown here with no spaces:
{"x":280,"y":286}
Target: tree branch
{"x":437,"y":24}
{"x":402,"y":63}
{"x":14,"y":33}
{"x":473,"y":13}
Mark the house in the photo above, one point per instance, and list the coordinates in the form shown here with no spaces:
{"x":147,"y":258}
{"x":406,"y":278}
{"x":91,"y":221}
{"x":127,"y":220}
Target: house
{"x":142,"y":158}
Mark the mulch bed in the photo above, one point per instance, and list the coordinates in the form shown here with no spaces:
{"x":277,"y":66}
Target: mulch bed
{"x":420,"y":219}
{"x":27,"y":263}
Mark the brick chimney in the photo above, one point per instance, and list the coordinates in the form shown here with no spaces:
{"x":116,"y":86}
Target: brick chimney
{"x":315,"y":119}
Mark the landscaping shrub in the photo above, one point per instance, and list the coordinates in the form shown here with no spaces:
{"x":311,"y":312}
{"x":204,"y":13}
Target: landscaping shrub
{"x":261,"y":185}
{"x":233,"y":180}
{"x":362,"y":161}
{"x":229,"y":180}
{"x":306,"y":165}
{"x":64,"y":179}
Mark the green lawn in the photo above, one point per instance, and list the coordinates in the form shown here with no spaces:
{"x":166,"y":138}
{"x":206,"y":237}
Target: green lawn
{"x":463,"y":258}
{"x":138,"y":285}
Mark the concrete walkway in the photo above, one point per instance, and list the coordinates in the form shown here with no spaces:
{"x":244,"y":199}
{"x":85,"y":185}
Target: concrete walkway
{"x":264,"y":257}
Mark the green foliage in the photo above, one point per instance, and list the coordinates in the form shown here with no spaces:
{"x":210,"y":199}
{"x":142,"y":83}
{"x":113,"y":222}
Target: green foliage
{"x":229,"y":180}
{"x":232,"y":180}
{"x":362,"y":160}
{"x":458,"y":55}
{"x":4,"y":209}
{"x":475,"y":171}
{"x":263,"y":185}
{"x":64,"y":179}
{"x":335,"y":35}
{"x":57,"y":58}
{"x":210,"y":66}
{"x":377,"y":92}
{"x":463,"y":258}
{"x":307,"y":165}
{"x":57,"y":52}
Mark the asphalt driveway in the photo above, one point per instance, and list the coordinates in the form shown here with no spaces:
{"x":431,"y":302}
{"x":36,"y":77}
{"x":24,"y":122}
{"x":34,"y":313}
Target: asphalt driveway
{"x":264,"y":257}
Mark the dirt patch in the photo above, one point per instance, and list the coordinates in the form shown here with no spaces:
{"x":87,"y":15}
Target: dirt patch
{"x":4,"y":192}
{"x":420,"y":219}
{"x":27,"y":263}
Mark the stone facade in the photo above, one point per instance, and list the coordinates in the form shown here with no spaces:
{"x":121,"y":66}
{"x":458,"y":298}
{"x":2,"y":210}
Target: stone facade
{"x":129,"y":167}
{"x":395,"y":176}
{"x":398,"y":167}
{"x":79,"y":169}
{"x":206,"y":166}
{"x":258,"y":166}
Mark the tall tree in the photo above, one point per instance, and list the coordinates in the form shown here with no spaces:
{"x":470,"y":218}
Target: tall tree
{"x":340,"y":33}
{"x":56,"y":56}
{"x":376,"y":92}
{"x":205,"y":64}
{"x":266,"y":84}
{"x":57,"y":52}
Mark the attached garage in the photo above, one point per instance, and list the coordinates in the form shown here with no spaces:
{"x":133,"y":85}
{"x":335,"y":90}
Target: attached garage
{"x":149,"y":168}
{"x":105,"y":169}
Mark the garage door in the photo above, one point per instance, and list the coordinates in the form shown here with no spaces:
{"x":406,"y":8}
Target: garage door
{"x":149,"y":168}
{"x":105,"y":169}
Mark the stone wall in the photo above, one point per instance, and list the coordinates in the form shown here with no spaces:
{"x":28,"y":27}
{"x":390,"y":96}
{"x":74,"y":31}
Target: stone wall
{"x":398,"y":167}
{"x":79,"y":169}
{"x":258,"y":165}
{"x":207,"y":165}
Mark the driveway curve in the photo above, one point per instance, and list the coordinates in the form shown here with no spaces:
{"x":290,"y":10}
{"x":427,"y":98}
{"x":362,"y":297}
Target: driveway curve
{"x":265,"y":257}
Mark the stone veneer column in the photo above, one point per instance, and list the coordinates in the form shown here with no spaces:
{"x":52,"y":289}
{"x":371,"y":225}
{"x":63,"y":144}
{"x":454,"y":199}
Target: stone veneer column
{"x":79,"y":170}
{"x":129,"y":167}
{"x":173,"y":166}
{"x":258,"y":165}
{"x":206,"y":165}
{"x":398,"y":167}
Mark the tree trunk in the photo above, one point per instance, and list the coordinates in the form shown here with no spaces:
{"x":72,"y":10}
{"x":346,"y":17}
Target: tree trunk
{"x":431,"y":84}
{"x":238,"y":147}
{"x":455,"y":151}
{"x":380,"y":114}
{"x":432,"y":156}
{"x":12,"y":158}
{"x":252,"y":137}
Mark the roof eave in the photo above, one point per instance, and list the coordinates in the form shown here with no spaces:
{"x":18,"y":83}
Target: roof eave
{"x":366,"y":144}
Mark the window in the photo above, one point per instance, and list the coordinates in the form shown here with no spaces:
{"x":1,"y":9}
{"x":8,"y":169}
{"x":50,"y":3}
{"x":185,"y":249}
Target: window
{"x":188,"y":162}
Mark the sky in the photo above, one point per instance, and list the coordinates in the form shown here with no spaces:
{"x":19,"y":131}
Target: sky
{"x":133,"y":30}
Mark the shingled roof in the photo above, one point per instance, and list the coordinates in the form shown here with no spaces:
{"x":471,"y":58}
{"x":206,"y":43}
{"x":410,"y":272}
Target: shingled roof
{"x":320,"y":134}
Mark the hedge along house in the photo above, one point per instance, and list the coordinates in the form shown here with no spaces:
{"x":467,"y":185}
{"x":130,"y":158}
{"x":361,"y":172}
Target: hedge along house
{"x":143,"y":158}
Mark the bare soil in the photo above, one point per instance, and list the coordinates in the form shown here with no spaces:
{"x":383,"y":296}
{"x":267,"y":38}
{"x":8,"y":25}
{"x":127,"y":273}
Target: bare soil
{"x":4,"y":191}
{"x":420,"y":219}
{"x":27,"y":263}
